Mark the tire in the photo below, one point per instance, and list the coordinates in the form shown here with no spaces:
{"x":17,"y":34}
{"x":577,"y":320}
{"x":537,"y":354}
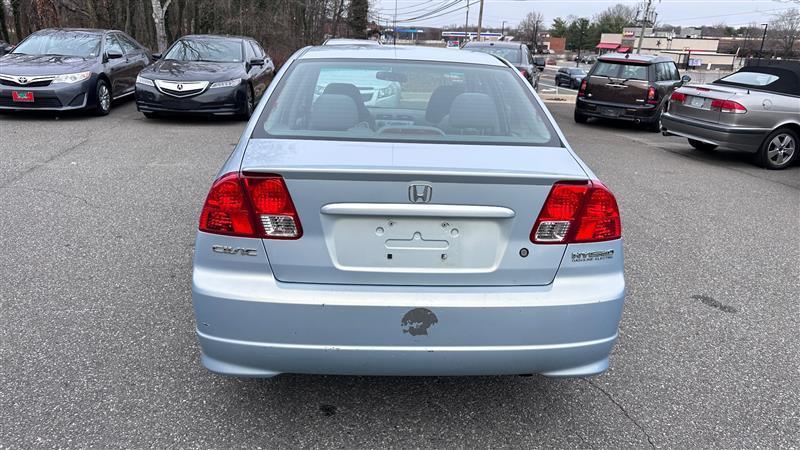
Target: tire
{"x":779,"y":149}
{"x":655,"y":124}
{"x":573,"y":85}
{"x":580,"y":118}
{"x":103,"y":95}
{"x":702,"y":146}
{"x":149,"y":115}
{"x":249,"y":104}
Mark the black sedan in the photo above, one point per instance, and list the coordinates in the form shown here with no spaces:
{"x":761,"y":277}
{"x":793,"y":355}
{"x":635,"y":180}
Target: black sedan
{"x":218,"y":75}
{"x":570,"y":76}
{"x":5,"y":47}
{"x":65,"y":69}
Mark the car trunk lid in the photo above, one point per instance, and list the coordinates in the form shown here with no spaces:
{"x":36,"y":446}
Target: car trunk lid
{"x":697,"y":101}
{"x":410,"y":214}
{"x":622,"y":82}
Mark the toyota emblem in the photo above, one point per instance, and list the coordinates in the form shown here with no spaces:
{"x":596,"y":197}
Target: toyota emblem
{"x":22,"y":80}
{"x":180,"y":87}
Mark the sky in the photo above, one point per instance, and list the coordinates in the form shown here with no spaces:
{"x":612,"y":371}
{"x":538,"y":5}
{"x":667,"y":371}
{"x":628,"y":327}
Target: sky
{"x":675,"y":12}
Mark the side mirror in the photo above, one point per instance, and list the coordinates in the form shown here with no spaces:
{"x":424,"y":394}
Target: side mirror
{"x":113,"y":55}
{"x":256,"y":62}
{"x":156,"y":56}
{"x":685,"y":79}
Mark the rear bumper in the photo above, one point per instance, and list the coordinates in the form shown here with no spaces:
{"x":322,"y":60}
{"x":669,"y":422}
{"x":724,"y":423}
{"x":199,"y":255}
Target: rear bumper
{"x":59,"y":97}
{"x":221,"y":101}
{"x":249,"y":324}
{"x":737,"y":138}
{"x":616,"y":111}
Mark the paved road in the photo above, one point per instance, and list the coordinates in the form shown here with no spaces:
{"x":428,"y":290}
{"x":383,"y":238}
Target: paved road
{"x":97,"y":343}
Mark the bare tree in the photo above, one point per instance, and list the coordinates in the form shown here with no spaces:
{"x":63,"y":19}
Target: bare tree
{"x":785,"y":30}
{"x":10,"y":26}
{"x":530,"y":27}
{"x":159,"y":11}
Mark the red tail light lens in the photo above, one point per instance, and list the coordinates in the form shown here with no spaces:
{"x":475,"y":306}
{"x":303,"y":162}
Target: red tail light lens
{"x":576,"y":212}
{"x":226,"y":210}
{"x":273,"y":207}
{"x":251,"y":206}
{"x":728,"y":106}
{"x":678,"y":97}
{"x":582,"y":91}
{"x":652,"y":96}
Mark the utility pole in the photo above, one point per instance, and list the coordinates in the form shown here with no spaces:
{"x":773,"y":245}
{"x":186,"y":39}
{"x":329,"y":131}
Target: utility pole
{"x":466,"y":26}
{"x":394,"y":27}
{"x":763,"y":38}
{"x":644,"y":26}
{"x":480,"y":22}
{"x":503,"y":30}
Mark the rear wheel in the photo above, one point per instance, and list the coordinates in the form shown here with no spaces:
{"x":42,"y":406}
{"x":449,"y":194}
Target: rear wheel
{"x":579,"y":117}
{"x":149,"y":115}
{"x":779,"y":150}
{"x":655,"y":124}
{"x":700,"y":145}
{"x":103,"y":104}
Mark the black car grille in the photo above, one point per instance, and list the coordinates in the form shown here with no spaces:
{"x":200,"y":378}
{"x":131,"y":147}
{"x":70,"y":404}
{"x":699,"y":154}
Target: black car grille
{"x":34,"y":84}
{"x":37,"y":103}
{"x":185,"y":93}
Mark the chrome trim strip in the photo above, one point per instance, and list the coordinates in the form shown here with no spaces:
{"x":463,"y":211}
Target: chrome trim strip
{"x":29,"y":79}
{"x":427,"y":210}
{"x":409,"y":348}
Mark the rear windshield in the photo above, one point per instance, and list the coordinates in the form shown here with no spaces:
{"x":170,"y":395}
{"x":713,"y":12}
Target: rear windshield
{"x":621,"y":70}
{"x":210,"y":50}
{"x":404,"y":101}
{"x":512,"y":54}
{"x":751,"y":78}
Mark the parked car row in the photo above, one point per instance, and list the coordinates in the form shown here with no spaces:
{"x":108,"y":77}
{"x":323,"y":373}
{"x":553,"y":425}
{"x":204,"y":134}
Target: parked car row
{"x":74,"y":69}
{"x":756,"y":109}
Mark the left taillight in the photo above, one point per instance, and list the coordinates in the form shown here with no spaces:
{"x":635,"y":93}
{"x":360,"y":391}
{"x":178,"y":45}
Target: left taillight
{"x":582,"y":91}
{"x":250,"y":206}
{"x":577,"y":212}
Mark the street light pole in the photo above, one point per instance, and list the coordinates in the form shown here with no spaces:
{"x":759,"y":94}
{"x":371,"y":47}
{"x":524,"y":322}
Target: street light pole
{"x":763,"y":38}
{"x":503,"y":29}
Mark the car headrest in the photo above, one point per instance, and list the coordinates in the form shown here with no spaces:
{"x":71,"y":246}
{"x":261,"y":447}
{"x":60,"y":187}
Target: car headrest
{"x":440,"y":102}
{"x":333,"y":112}
{"x":474,"y":110}
{"x":342,"y":89}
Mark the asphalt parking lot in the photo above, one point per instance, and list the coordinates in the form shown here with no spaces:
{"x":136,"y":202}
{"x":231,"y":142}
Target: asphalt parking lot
{"x":97,"y":344}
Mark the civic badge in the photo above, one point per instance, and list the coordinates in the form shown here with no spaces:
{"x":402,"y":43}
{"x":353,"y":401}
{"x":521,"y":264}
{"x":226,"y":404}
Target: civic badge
{"x":420,"y":193}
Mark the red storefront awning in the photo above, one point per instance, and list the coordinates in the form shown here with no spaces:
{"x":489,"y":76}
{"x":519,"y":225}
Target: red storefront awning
{"x":607,"y":46}
{"x":624,"y":49}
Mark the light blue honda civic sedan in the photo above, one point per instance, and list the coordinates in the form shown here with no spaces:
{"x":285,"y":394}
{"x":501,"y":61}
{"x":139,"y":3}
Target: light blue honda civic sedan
{"x":449,"y":231}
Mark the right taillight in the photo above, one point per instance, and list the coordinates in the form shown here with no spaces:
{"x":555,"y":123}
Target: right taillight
{"x":728,"y":106}
{"x":576,"y":212}
{"x":250,"y":206}
{"x":582,"y":91}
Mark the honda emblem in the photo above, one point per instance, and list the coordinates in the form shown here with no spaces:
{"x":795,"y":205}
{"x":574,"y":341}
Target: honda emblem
{"x":420,"y":193}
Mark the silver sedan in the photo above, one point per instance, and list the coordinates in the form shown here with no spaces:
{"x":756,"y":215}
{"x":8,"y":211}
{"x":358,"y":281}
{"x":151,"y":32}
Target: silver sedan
{"x":453,"y":232}
{"x":756,"y":109}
